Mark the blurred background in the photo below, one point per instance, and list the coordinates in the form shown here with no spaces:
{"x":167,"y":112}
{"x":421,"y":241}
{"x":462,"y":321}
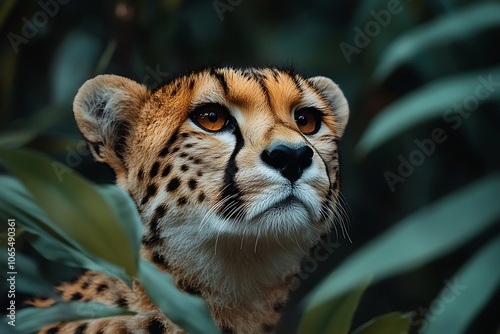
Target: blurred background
{"x":422,"y":79}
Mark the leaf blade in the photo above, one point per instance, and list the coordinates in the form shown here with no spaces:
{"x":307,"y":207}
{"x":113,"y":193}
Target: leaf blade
{"x":336,"y":316}
{"x":429,"y":102}
{"x":460,"y":24}
{"x":32,"y":319}
{"x":76,"y":209}
{"x":48,"y":239}
{"x":479,"y":277}
{"x":189,"y":312}
{"x":32,"y":126}
{"x":393,"y":322}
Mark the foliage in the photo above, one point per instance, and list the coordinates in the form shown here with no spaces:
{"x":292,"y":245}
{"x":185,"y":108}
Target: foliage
{"x":86,"y":228}
{"x":433,"y":231}
{"x":424,"y":206}
{"x":442,"y":226}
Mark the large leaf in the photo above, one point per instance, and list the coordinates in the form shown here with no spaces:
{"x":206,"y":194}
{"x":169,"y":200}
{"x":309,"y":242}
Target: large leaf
{"x":5,"y":328}
{"x":78,"y":212}
{"x":124,"y":212}
{"x":459,"y":24}
{"x":31,"y":319}
{"x":393,"y":322}
{"x":334,"y":317}
{"x":465,"y":294}
{"x":429,"y":233}
{"x":73,"y":63}
{"x":17,"y":203}
{"x":45,"y":237}
{"x":32,"y":126}
{"x":434,"y":100}
{"x":188,"y":312}
{"x":28,"y":277}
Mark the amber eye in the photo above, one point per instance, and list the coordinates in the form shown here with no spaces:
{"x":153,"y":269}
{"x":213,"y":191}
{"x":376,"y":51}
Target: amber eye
{"x":210,"y":117}
{"x":308,"y":120}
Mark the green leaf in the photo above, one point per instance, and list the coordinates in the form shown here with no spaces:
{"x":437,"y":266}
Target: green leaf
{"x":459,"y":24}
{"x":434,"y":100}
{"x":31,"y":319}
{"x":466,"y":293}
{"x":33,"y":126}
{"x":393,"y":322}
{"x":124,"y":212}
{"x":335,"y":316}
{"x":106,"y":56}
{"x":28,"y":277}
{"x":425,"y":235}
{"x":5,"y":328}
{"x":44,"y":236}
{"x":16,"y":203}
{"x":73,"y":63}
{"x":78,"y":212}
{"x":188,"y":312}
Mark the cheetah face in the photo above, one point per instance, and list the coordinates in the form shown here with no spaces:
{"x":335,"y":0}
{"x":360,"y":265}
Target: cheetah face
{"x":221,"y":151}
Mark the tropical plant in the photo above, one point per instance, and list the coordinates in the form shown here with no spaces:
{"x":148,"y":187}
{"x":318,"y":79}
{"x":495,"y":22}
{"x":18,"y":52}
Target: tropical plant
{"x":94,"y":227}
{"x":442,"y":226}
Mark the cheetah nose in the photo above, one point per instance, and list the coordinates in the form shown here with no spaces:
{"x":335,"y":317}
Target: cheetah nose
{"x":290,"y":162}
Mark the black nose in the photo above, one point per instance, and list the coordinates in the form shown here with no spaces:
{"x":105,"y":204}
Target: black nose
{"x":290,"y":162}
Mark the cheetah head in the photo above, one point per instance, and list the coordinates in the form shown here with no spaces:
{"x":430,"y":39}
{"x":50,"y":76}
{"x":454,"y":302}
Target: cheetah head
{"x":221,"y":153}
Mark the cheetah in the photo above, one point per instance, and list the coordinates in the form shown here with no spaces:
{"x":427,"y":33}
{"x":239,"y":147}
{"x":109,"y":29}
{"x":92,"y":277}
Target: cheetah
{"x":235,"y":174}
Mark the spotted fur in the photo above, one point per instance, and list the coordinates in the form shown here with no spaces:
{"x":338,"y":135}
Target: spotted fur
{"x":219,"y":212}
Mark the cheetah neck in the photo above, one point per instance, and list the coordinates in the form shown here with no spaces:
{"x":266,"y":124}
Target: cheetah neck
{"x":231,"y":270}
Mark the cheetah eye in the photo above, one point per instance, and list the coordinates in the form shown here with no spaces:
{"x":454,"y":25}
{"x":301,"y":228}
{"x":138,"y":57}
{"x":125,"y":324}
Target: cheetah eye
{"x":210,"y":117}
{"x":308,"y":120}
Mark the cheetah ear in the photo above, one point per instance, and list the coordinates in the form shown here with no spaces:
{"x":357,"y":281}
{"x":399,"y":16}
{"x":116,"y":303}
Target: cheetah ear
{"x":106,"y":110}
{"x":331,"y":91}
